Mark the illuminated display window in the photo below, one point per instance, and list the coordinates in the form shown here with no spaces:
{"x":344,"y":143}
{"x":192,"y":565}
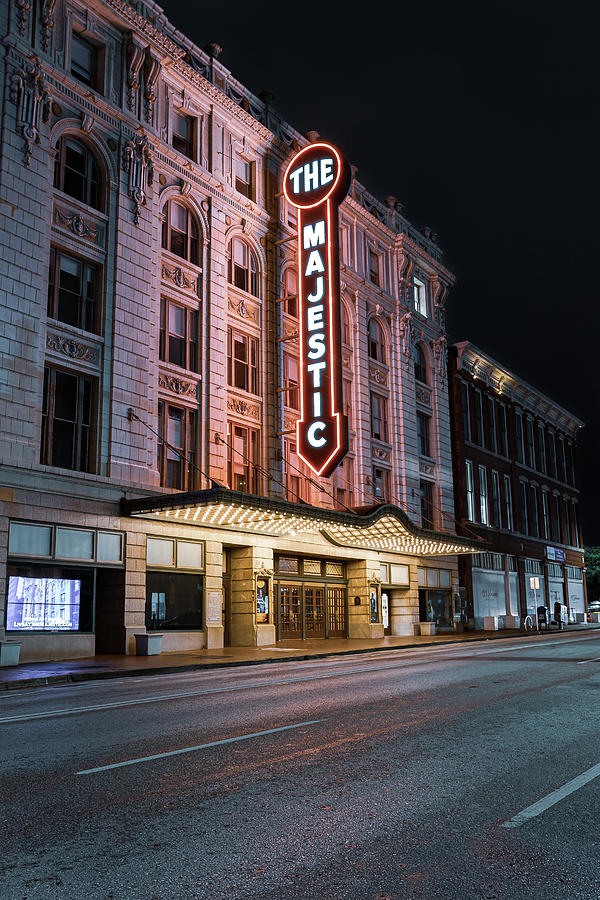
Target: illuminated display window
{"x":243,"y":267}
{"x":244,"y":177}
{"x":87,"y":61}
{"x":242,"y":458}
{"x":242,"y":361}
{"x":49,"y":598}
{"x":182,"y":133}
{"x":178,"y":335}
{"x":376,"y":344}
{"x":176,"y":449}
{"x":420,"y":365}
{"x":290,"y":292}
{"x":68,"y":420}
{"x":180,"y":232}
{"x":76,"y":173}
{"x":73,"y":291}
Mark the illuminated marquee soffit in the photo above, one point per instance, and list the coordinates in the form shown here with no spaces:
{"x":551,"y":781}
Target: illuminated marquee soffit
{"x":384,"y":528}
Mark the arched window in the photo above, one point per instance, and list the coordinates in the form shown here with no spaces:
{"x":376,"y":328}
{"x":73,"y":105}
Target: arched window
{"x":420,"y":365}
{"x":375,"y":337}
{"x":243,"y":267}
{"x":180,"y":232}
{"x":290,"y":292}
{"x":346,"y":330}
{"x":76,"y":173}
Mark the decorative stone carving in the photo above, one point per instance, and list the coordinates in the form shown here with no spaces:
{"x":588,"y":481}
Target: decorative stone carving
{"x":76,"y":223}
{"x":406,"y":336}
{"x":135,"y":58}
{"x":426,"y":468}
{"x":423,"y":395}
{"x":243,"y":310}
{"x":138,"y":162}
{"x":346,"y":359}
{"x":71,"y":348}
{"x":440,"y":354}
{"x":87,"y":122}
{"x":152,"y":69}
{"x":243,"y":408}
{"x":28,"y":92}
{"x":289,"y":425}
{"x":47,"y":23}
{"x":176,"y":385}
{"x":378,"y":453}
{"x":378,"y":375}
{"x":186,"y":189}
{"x":23,"y":10}
{"x":439,"y":293}
{"x":179,"y":277}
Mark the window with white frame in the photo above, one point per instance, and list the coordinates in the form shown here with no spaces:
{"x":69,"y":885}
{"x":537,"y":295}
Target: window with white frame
{"x":483,"y":496}
{"x":242,"y":361}
{"x":178,"y":335}
{"x":423,"y":433}
{"x":77,"y":173}
{"x":243,"y":267}
{"x":379,"y":428}
{"x":470,"y":491}
{"x":376,"y":346}
{"x":244,"y":177}
{"x":381,"y":483}
{"x":180,"y":232}
{"x":176,"y":450}
{"x":290,"y":292}
{"x":419,"y":296}
{"x":242,"y":458}
{"x":291,"y":381}
{"x":374,"y":267}
{"x":508,"y":509}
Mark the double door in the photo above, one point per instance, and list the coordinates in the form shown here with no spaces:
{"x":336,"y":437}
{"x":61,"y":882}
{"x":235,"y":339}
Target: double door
{"x":308,"y":610}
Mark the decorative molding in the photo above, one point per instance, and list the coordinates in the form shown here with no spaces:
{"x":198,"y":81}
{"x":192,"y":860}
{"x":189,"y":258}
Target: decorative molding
{"x":384,"y":455}
{"x":423,"y":395}
{"x":176,"y":385}
{"x":152,"y":69}
{"x":243,"y":408}
{"x":426,"y":468}
{"x":406,"y":336}
{"x":243,"y":309}
{"x":346,"y":359}
{"x":440,"y":353}
{"x":138,"y":163}
{"x":289,"y":425}
{"x":146,"y":27}
{"x":76,"y":223}
{"x":29,"y":93}
{"x":135,"y":58}
{"x":378,"y":375}
{"x":23,"y":10}
{"x":71,"y":348}
{"x":47,"y":23}
{"x":179,"y":277}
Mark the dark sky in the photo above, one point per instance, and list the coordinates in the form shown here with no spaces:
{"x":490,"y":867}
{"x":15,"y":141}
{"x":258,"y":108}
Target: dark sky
{"x":480,"y":118}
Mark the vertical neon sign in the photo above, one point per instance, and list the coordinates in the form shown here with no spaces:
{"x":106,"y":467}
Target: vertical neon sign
{"x":315,"y":182}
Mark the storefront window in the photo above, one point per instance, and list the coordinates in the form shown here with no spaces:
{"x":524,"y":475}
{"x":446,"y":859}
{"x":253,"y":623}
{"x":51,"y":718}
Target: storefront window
{"x":49,"y":598}
{"x":374,"y":605}
{"x":174,"y":601}
{"x":262,"y":601}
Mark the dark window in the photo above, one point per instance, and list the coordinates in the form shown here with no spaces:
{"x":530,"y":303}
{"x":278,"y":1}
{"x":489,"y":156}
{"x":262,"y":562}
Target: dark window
{"x":375,"y":341}
{"x":558,"y":520}
{"x":180,"y":232}
{"x":291,"y":381}
{"x":243,"y":177}
{"x":68,"y":414}
{"x":290,"y":292}
{"x":242,"y":361}
{"x":423,"y":423}
{"x":541,"y":448}
{"x":492,"y":424}
{"x":76,"y":173}
{"x":496,"y":500}
{"x":73,"y":291}
{"x":519,"y":437}
{"x":503,"y":430}
{"x":346,"y":329}
{"x":379,"y":417}
{"x":182,"y":136}
{"x":529,"y":445}
{"x":426,"y":492}
{"x":173,"y":600}
{"x":478,"y":419}
{"x":524,"y":510}
{"x":85,"y":61}
{"x":374,"y":266}
{"x":178,"y":335}
{"x":421,"y":365}
{"x":242,"y":459}
{"x":535,"y":513}
{"x":466,"y":410}
{"x":561,"y":459}
{"x":243,"y":268}
{"x":177,"y":447}
{"x":381,"y":483}
{"x":551,"y":443}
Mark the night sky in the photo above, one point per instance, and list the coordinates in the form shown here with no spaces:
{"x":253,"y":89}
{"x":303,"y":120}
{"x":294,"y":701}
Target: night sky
{"x":479,"y":118}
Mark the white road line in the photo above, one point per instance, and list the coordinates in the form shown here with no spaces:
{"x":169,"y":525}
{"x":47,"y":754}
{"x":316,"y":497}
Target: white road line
{"x":241,"y":737}
{"x":584,"y":661}
{"x":555,"y":797}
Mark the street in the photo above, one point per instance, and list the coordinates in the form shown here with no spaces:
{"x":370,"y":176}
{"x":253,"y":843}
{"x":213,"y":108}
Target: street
{"x":383,"y":776}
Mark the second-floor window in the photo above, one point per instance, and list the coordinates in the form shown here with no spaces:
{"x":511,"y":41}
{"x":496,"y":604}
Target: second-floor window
{"x":182,"y":133}
{"x":524,"y":510}
{"x":381,"y":484}
{"x":68,"y":420}
{"x":73,"y":291}
{"x":292,"y":377}
{"x":76,"y":173}
{"x":496,"y":499}
{"x":177,"y":446}
{"x":242,"y":361}
{"x":242,"y":458}
{"x":535,"y":513}
{"x":546,"y":515}
{"x":180,"y":232}
{"x":508,"y":508}
{"x":379,"y":429}
{"x":243,"y":268}
{"x":483,"y":496}
{"x":470,"y":491}
{"x":426,"y":497}
{"x":178,"y":335}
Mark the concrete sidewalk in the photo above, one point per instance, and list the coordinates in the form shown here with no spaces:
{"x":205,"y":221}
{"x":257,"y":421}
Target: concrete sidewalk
{"x":101,"y":667}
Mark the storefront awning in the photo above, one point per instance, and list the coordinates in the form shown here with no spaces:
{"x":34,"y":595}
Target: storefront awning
{"x":384,"y":527}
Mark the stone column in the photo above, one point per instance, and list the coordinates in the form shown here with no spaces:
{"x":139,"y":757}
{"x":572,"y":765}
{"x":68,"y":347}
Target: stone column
{"x":360,"y":580}
{"x":135,"y":588}
{"x":213,"y":595}
{"x":245,"y":563}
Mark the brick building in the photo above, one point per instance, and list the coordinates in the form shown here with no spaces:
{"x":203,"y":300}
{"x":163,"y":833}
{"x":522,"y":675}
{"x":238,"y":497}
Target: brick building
{"x":514,"y":458}
{"x":149,"y":362}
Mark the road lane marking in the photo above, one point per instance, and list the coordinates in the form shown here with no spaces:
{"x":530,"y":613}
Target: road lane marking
{"x":241,"y":737}
{"x":551,"y":799}
{"x":584,"y":661}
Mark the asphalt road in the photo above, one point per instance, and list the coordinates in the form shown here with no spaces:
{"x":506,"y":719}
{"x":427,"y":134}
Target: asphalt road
{"x":405,"y":774}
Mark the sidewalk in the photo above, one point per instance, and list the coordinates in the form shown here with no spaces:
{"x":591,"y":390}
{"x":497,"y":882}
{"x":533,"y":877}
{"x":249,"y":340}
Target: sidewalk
{"x":101,"y":667}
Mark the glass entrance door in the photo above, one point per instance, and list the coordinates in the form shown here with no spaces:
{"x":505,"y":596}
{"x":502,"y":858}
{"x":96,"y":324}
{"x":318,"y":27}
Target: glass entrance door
{"x":314,"y":610}
{"x":336,"y":604}
{"x":290,"y":610}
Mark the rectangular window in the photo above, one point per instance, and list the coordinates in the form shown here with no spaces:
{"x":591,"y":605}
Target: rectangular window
{"x":244,"y":172}
{"x":30,"y":540}
{"x":290,"y":292}
{"x":483,"y":496}
{"x":73,"y":291}
{"x":530,"y":454}
{"x":570,"y":464}
{"x":177,"y":447}
{"x":381,"y":483}
{"x":524,"y":508}
{"x":542,"y":449}
{"x":379,"y":417}
{"x":345,"y":244}
{"x":293,"y":481}
{"x":492,"y":425}
{"x":568,"y":535}
{"x":242,"y":458}
{"x":426,"y":492}
{"x":178,"y":335}
{"x":535,"y":514}
{"x":242,"y":361}
{"x":496,"y":500}
{"x":344,"y":491}
{"x":558,"y":520}
{"x":576,"y":524}
{"x":478,"y":436}
{"x":174,"y":601}
{"x":348,"y":401}
{"x":291,"y":381}
{"x":68,"y":420}
{"x":470,"y":491}
{"x":466,"y":410}
{"x":419,"y":296}
{"x":562,"y":459}
{"x":503,"y":430}
{"x":519,"y":437}
{"x":508,"y":513}
{"x":546,"y":515}
{"x":86,"y":61}
{"x":182,"y":134}
{"x":374,"y":268}
{"x":423,"y":431}
{"x":551,"y":444}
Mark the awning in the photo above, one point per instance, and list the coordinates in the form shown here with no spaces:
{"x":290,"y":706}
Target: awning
{"x":384,"y":527}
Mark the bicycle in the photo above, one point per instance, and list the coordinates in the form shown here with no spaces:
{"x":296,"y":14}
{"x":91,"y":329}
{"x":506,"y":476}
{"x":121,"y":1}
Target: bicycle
{"x":527,"y":624}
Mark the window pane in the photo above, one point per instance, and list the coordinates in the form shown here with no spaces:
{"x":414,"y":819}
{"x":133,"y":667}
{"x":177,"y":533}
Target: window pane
{"x":74,"y":544}
{"x":399,"y":574}
{"x":174,"y":601}
{"x":160,"y":552}
{"x":189,"y":555}
{"x":33,"y":540}
{"x":109,"y":547}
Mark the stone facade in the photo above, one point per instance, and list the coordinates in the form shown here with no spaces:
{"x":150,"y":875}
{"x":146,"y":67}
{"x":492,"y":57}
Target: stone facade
{"x":147,"y":181}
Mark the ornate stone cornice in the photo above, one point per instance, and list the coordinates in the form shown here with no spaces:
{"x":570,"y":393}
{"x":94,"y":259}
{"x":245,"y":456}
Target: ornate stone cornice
{"x":147,"y":28}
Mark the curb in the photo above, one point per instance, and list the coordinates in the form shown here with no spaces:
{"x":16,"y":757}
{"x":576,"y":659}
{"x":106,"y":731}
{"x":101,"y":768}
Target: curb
{"x":79,"y":677}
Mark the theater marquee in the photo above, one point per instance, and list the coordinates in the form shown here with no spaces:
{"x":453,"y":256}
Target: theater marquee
{"x":315,"y":182}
